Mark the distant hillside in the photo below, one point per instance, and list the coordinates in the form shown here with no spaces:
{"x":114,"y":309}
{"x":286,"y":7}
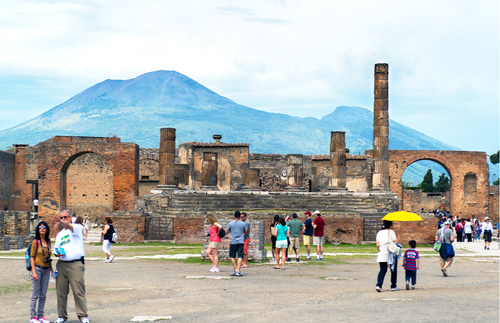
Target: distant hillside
{"x":136,"y":109}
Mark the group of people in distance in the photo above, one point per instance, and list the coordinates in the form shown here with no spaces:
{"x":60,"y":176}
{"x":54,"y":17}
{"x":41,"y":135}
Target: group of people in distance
{"x":69,"y":268}
{"x":285,"y":234}
{"x":470,"y":229}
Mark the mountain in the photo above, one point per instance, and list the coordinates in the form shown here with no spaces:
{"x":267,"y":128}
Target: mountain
{"x":136,"y":109}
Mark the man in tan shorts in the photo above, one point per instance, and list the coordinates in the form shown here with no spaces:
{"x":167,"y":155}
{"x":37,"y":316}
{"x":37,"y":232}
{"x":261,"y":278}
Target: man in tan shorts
{"x":296,"y":228}
{"x":308,"y":232}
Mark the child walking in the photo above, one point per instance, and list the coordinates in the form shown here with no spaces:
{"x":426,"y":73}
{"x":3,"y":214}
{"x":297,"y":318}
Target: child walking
{"x":411,"y":263}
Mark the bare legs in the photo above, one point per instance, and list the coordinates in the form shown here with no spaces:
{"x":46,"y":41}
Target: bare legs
{"x":213,"y":254}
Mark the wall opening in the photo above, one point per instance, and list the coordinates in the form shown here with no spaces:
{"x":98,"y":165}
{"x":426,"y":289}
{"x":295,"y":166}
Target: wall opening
{"x":470,"y":188}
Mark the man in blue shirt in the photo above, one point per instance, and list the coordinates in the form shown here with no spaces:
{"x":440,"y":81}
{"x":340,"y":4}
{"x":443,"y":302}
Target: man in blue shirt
{"x":238,"y":230}
{"x":308,"y":233}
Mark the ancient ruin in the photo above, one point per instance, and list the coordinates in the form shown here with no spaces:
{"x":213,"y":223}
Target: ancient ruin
{"x":166,"y":193}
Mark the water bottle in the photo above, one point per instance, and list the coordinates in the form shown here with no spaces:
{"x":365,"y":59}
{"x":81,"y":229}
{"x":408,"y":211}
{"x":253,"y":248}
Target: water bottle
{"x":52,"y":279}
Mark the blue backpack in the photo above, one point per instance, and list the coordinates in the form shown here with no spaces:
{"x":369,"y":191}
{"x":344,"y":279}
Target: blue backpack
{"x":27,"y":255}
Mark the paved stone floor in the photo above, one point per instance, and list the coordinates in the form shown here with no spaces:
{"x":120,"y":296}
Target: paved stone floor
{"x":137,"y":288}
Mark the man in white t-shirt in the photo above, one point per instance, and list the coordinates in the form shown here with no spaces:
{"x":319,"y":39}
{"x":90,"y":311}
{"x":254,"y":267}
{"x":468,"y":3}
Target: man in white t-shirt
{"x":70,"y":267}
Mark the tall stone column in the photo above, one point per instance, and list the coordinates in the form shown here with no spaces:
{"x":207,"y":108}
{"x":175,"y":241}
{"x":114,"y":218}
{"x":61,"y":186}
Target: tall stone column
{"x":337,"y":161}
{"x":380,"y":179}
{"x":295,"y":176}
{"x":167,"y":159}
{"x":209,"y":172}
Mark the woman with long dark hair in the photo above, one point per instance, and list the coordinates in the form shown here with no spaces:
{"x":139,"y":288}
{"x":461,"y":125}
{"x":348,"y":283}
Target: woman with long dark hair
{"x":41,"y":270}
{"x":385,"y":237}
{"x":276,"y":220}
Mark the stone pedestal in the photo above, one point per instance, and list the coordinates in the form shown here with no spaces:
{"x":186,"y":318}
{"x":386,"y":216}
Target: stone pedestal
{"x":380,"y":179}
{"x":295,"y":175}
{"x":337,"y":162}
{"x":167,"y":159}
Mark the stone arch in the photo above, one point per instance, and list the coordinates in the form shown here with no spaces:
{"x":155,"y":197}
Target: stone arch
{"x":56,"y":154}
{"x":457,"y":164}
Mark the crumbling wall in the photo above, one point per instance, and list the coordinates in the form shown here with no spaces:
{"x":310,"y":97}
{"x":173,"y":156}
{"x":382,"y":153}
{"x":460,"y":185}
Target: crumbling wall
{"x":7,"y":179}
{"x":494,"y":204}
{"x":25,"y":175}
{"x":416,"y":201}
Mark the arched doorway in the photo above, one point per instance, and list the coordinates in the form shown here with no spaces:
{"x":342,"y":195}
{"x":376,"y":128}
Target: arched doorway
{"x":87,"y":186}
{"x":425,"y":185}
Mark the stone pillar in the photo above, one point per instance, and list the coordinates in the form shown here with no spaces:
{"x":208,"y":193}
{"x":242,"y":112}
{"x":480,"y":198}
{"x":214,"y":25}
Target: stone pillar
{"x":252,"y":180}
{"x":337,"y":161}
{"x":209,"y":172}
{"x":167,"y":159}
{"x":295,"y":176}
{"x":380,"y":180}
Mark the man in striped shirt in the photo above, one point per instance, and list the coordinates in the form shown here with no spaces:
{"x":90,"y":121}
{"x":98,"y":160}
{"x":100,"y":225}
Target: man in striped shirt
{"x":411,"y":263}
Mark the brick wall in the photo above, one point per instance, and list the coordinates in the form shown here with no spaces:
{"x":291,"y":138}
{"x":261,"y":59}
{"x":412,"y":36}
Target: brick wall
{"x":128,"y":225}
{"x":14,"y":229}
{"x":7,"y":179}
{"x":415,"y":201}
{"x":494,"y":204}
{"x":423,"y":232}
{"x":25,"y":160}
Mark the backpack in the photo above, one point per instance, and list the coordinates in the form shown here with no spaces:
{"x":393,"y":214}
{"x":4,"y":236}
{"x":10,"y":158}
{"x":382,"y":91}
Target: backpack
{"x":27,"y":255}
{"x":114,"y":236}
{"x":222,"y":233}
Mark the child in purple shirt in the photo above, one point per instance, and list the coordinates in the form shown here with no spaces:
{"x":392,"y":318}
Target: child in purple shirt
{"x":411,"y":263}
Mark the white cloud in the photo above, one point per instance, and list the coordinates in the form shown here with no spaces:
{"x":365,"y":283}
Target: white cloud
{"x":296,"y":57}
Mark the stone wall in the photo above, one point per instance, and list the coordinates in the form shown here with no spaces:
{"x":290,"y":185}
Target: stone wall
{"x":15,"y":229}
{"x":130,"y":226}
{"x":494,"y":204}
{"x":423,"y":232}
{"x":25,"y":170}
{"x":416,"y":201}
{"x":6,"y":179}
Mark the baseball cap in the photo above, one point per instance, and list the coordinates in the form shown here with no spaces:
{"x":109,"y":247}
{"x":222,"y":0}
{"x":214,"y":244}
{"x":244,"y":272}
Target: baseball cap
{"x":307,"y":213}
{"x":316,"y":212}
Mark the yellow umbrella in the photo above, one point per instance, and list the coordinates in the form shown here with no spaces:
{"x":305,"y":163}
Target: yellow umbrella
{"x":402,"y":216}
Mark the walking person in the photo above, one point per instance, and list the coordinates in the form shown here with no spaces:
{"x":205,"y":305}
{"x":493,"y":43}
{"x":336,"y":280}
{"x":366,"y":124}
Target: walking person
{"x":488,"y":232}
{"x":41,"y":270}
{"x":237,"y":229}
{"x":282,"y":233}
{"x":246,"y":244}
{"x":318,"y":240}
{"x":446,"y":235}
{"x":468,"y":230}
{"x":106,"y":242}
{"x":215,"y":240}
{"x":384,"y":238}
{"x":411,"y":263}
{"x":70,"y":267}
{"x":296,"y":228}
{"x":308,"y":233}
{"x":275,"y":222}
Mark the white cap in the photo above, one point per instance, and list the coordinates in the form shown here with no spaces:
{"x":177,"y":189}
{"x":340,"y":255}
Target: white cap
{"x":316,"y":212}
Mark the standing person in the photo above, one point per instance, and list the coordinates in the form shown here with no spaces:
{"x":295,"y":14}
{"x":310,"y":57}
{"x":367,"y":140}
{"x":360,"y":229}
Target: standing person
{"x":488,"y":231}
{"x":215,"y":240}
{"x":411,"y":263}
{"x":459,"y":228}
{"x":86,"y":228}
{"x":319,"y":226}
{"x":282,"y":233}
{"x":244,"y":218}
{"x":308,"y":233}
{"x":287,"y":220}
{"x":296,"y":228}
{"x":447,"y":233}
{"x":477,"y":230}
{"x":35,"y":205}
{"x":41,"y":270}
{"x":238,"y":230}
{"x":384,"y":238}
{"x":275,"y":222}
{"x":468,"y":230}
{"x":70,"y":267}
{"x":106,"y":242}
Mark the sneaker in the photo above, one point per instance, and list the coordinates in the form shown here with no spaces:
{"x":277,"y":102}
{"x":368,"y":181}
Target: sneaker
{"x":34,"y":320}
{"x":378,"y":289}
{"x":60,"y":320}
{"x":235,"y":273}
{"x":485,"y":247}
{"x":297,"y":259}
{"x":321,"y":259}
{"x":274,"y":259}
{"x":308,"y":258}
{"x":288,"y":259}
{"x":212,"y":270}
{"x":239,"y":274}
{"x":488,"y":248}
{"x":412,"y":286}
{"x":317,"y":259}
{"x":445,"y":274}
{"x":43,"y":320}
{"x":216,"y":270}
{"x":85,"y":320}
{"x":111,"y":258}
{"x":395,"y":289}
{"x":106,"y":261}
{"x":407,"y":285}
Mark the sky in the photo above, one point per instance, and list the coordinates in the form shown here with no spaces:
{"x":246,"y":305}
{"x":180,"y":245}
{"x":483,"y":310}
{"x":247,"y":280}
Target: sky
{"x":302,"y":58}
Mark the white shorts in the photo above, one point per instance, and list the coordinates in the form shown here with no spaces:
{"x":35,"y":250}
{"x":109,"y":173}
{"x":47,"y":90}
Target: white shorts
{"x":106,"y":246}
{"x":281,"y":244}
{"x":318,"y":241}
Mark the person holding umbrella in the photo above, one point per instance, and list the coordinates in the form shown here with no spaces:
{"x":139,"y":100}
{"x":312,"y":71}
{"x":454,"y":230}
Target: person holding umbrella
{"x":385,"y":237}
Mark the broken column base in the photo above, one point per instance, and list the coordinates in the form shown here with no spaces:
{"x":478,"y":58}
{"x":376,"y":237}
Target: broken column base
{"x":208,"y":188}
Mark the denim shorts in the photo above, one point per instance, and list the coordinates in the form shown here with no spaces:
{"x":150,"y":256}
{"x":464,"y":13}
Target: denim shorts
{"x":281,"y":244}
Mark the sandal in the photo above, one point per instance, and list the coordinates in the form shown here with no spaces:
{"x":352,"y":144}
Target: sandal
{"x":276,"y":267}
{"x":282,"y":268}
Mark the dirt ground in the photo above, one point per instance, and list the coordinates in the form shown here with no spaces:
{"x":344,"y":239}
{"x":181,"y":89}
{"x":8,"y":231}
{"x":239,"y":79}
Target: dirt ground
{"x":304,"y":292}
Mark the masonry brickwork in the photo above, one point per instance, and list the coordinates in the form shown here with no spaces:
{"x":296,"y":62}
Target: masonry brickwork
{"x":416,"y":201}
{"x":129,"y":225}
{"x":7,"y":160}
{"x":494,"y":204}
{"x":15,"y":228}
{"x":25,"y":177}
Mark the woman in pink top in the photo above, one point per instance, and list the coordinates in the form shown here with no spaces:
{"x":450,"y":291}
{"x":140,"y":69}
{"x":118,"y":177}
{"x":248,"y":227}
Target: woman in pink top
{"x":213,"y":247}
